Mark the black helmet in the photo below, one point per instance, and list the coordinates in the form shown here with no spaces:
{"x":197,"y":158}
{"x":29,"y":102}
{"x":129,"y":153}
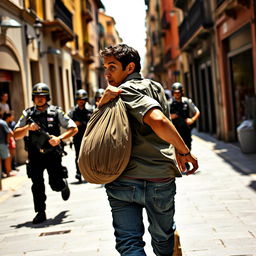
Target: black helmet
{"x":177,"y":87}
{"x":99,"y":93}
{"x":81,"y":94}
{"x":41,"y":89}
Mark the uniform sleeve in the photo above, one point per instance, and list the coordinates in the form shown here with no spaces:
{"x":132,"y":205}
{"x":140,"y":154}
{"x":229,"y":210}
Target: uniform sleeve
{"x":65,"y":121}
{"x":70,"y":113}
{"x":22,"y":121}
{"x":137,"y":103}
{"x":192,"y":106}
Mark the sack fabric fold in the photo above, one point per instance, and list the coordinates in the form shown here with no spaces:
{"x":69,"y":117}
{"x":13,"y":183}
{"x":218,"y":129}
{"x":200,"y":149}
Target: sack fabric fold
{"x":106,"y":145}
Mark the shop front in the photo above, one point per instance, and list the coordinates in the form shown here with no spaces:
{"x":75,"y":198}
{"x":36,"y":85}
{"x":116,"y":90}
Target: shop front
{"x":237,"y":69}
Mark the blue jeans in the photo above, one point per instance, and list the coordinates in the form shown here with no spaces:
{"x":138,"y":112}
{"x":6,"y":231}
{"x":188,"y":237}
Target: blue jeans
{"x":127,"y":199}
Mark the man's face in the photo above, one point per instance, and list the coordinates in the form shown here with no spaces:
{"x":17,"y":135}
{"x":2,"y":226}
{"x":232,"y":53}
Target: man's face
{"x":176,"y":94}
{"x":5,"y":97}
{"x":114,"y":72}
{"x":40,"y":100}
{"x":80,"y":102}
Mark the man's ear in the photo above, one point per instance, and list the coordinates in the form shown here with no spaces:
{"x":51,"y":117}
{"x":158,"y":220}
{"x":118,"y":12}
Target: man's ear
{"x":131,"y":67}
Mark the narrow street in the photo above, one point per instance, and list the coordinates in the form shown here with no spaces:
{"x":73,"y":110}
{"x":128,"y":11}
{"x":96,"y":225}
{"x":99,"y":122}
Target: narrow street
{"x":215,"y":210}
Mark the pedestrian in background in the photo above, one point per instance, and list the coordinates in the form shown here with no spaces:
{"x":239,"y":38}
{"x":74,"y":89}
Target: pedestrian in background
{"x":42,"y":123}
{"x":5,"y":134}
{"x":80,"y":114}
{"x":4,"y":102}
{"x":184,"y":113}
{"x":9,"y":119}
{"x":149,"y":178}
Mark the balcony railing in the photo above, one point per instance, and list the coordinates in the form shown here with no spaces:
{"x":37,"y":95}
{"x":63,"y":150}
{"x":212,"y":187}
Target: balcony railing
{"x":198,"y":15}
{"x":168,"y":56}
{"x":87,"y":11}
{"x":88,"y":52}
{"x":62,"y":13}
{"x":219,"y":2}
{"x":179,"y":3}
{"x":164,"y":22}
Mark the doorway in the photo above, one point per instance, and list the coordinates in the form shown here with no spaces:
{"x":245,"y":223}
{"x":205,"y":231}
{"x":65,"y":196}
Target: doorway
{"x":241,"y":80}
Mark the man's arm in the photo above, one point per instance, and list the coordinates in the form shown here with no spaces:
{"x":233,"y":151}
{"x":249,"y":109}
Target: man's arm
{"x":56,"y":140}
{"x":164,"y":128}
{"x":193,"y":109}
{"x":110,"y":93}
{"x":20,"y":132}
{"x":192,"y":119}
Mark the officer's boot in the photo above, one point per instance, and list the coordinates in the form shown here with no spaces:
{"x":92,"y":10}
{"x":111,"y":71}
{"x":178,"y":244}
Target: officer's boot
{"x":79,"y":177}
{"x":65,"y":192}
{"x":39,"y":218}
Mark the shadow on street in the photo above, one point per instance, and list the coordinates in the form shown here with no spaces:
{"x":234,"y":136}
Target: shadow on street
{"x":58,"y":219}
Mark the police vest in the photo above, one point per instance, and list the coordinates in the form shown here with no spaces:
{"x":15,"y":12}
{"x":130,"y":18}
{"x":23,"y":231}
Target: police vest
{"x":49,"y":124}
{"x":180,"y":108}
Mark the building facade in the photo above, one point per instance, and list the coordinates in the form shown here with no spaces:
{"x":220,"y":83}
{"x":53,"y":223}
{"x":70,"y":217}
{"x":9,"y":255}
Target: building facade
{"x":236,"y":59}
{"x":108,"y":35}
{"x":215,"y":61}
{"x":55,"y":42}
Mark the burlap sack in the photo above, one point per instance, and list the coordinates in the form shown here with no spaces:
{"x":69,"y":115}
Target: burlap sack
{"x":106,"y":145}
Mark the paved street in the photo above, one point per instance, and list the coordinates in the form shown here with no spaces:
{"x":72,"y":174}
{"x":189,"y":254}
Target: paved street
{"x":215,"y":211}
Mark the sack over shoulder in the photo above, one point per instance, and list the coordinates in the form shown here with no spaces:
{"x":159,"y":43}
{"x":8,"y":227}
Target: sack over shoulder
{"x":106,"y":145}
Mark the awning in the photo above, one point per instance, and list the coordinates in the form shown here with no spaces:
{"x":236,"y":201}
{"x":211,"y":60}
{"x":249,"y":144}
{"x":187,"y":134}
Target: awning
{"x":8,"y":60}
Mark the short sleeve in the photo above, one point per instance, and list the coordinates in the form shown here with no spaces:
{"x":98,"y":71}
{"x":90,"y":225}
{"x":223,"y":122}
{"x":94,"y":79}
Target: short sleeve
{"x":192,"y":106}
{"x":65,"y":121}
{"x":22,"y":121}
{"x":137,"y":103}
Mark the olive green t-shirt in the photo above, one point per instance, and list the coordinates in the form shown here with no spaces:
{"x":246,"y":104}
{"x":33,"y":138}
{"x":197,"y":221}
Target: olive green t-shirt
{"x":151,"y":157}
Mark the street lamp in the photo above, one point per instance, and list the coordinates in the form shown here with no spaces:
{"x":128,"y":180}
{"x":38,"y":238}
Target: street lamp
{"x":51,"y":50}
{"x":6,"y":23}
{"x":9,"y":23}
{"x":176,"y":12}
{"x":37,"y":27}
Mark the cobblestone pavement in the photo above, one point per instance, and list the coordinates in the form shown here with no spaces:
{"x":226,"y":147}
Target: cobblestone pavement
{"x":215,"y":210}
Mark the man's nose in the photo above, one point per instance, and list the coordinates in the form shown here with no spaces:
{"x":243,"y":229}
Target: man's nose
{"x":107,"y":73}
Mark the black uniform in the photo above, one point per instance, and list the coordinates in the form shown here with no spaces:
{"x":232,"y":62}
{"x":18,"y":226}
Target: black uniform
{"x":41,"y":154}
{"x":82,"y":116}
{"x":183,"y":109}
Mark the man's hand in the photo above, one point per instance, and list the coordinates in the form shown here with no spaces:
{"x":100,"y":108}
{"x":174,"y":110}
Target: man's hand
{"x":78,"y":123}
{"x":189,"y":121}
{"x":174,"y":116}
{"x":187,"y":159}
{"x":54,"y":140}
{"x":110,"y":93}
{"x":33,"y":127}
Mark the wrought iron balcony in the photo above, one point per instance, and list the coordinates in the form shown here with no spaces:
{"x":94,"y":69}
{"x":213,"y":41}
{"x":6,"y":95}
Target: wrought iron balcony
{"x":167,"y":56}
{"x":62,"y":13}
{"x":199,"y":15}
{"x":88,"y":52}
{"x":179,"y":3}
{"x":87,"y":11}
{"x":164,"y":22}
{"x":61,"y":27}
{"x":219,"y":2}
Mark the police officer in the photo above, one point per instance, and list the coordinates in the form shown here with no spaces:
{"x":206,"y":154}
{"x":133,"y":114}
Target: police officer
{"x":80,"y":114}
{"x":183,"y":113}
{"x":98,"y":95}
{"x":42,"y":123}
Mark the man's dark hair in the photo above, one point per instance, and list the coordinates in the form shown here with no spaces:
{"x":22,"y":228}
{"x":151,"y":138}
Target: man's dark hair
{"x":123,"y":53}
